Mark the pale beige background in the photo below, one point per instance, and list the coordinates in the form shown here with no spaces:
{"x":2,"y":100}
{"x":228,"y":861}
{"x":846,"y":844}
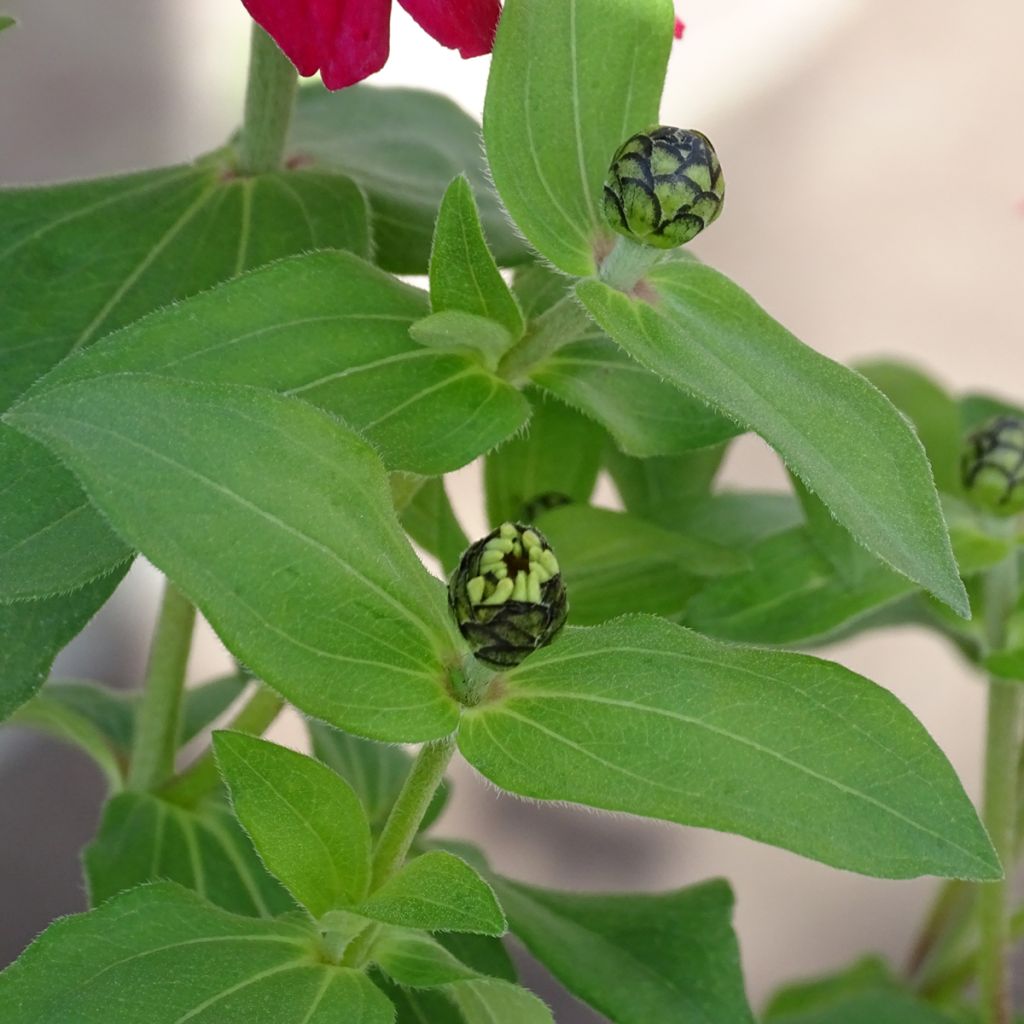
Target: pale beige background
{"x":875,"y":163}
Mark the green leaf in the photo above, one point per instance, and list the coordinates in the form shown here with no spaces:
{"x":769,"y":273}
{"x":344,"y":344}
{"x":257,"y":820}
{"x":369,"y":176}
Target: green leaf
{"x":569,"y":83}
{"x":159,"y":955}
{"x":64,"y":723}
{"x":111,"y":713}
{"x":304,"y":819}
{"x":375,"y":771}
{"x":334,"y":331}
{"x":558,"y":459}
{"x":643,"y":414}
{"x":87,"y":258}
{"x":1007,"y":665}
{"x":205,"y":703}
{"x":417,"y":960}
{"x":454,"y":331}
{"x":538,"y":287}
{"x":430,"y":521}
{"x":436,"y":892}
{"x":282,"y":532}
{"x":425,"y":1006}
{"x":792,"y":594}
{"x":142,"y":839}
{"x":864,"y":994}
{"x":403,"y":147}
{"x":643,"y":716}
{"x":637,"y":958}
{"x":741,"y":519}
{"x":488,"y":1001}
{"x":976,"y":409}
{"x":463,"y":274}
{"x":837,"y":432}
{"x":930,"y":408}
{"x":35,"y":632}
{"x":614,"y":563}
{"x":666,"y":489}
{"x":6,"y":21}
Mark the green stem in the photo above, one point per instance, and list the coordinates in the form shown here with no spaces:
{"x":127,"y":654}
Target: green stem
{"x":425,"y":776}
{"x":565,"y":322}
{"x":1000,"y":798}
{"x":943,"y":926}
{"x":628,"y":263}
{"x":158,"y":721}
{"x":201,"y":777}
{"x":269,"y":100}
{"x":401,"y":828}
{"x":960,"y":974}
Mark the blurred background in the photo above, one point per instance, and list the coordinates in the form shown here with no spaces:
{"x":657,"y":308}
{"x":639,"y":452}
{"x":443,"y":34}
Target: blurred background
{"x":876,"y":175}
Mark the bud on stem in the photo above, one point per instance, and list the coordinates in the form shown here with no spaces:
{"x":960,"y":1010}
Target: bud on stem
{"x":507,"y":595}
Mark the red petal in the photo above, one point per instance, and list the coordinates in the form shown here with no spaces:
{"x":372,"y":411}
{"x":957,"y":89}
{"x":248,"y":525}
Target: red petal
{"x":345,"y":40}
{"x":290,"y":25}
{"x":680,"y":28}
{"x":464,"y":25}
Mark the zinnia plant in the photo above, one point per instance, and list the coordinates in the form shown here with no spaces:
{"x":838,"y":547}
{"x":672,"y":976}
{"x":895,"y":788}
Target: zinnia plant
{"x":215,"y":366}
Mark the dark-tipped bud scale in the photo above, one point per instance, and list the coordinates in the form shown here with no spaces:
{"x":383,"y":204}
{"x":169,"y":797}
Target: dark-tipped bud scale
{"x":507,"y":595}
{"x":664,"y":187}
{"x":992,"y":466}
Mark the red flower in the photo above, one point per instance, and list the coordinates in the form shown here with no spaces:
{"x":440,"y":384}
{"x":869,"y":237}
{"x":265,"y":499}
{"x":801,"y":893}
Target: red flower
{"x":680,"y":28}
{"x":347,"y":40}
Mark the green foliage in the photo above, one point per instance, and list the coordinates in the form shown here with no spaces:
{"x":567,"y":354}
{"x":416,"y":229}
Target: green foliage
{"x":159,"y":955}
{"x":463,"y":274}
{"x":333,"y":330}
{"x":455,"y":331}
{"x":836,"y":432}
{"x":402,"y":147}
{"x":376,"y":772}
{"x":417,"y":961}
{"x":615,"y":563}
{"x":6,"y":21}
{"x":670,"y":958}
{"x":436,"y":892}
{"x":87,"y":258}
{"x":142,"y":838}
{"x":280,"y":560}
{"x":644,"y":716}
{"x":644,"y":415}
{"x":528,"y":473}
{"x":428,"y":518}
{"x":34,"y":632}
{"x":930,"y":408}
{"x":553,"y":120}
{"x":864,"y":994}
{"x":304,"y":819}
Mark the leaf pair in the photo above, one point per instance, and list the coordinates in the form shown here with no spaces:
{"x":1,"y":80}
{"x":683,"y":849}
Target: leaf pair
{"x":312,"y":833}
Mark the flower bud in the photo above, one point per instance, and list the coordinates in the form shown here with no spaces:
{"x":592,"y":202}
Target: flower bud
{"x":507,"y":595}
{"x":664,"y":187}
{"x":992,"y":466}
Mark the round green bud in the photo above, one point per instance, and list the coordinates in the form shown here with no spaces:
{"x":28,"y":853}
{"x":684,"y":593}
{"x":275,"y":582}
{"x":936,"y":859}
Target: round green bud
{"x":665,"y":186}
{"x":507,"y":595}
{"x":992,"y":466}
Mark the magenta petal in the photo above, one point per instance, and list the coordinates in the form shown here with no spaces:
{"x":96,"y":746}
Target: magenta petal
{"x":345,"y":40}
{"x":464,"y":25}
{"x":290,"y":24}
{"x":356,"y":39}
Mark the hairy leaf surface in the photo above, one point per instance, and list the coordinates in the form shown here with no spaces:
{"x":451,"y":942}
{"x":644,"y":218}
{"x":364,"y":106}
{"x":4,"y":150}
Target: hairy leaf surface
{"x":282,"y":533}
{"x":643,"y":716}
{"x":836,"y":431}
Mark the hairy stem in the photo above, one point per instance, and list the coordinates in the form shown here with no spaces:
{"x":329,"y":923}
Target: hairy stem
{"x":1000,"y":799}
{"x":158,"y":720}
{"x":401,"y":828}
{"x":269,"y":100}
{"x":565,"y":322}
{"x":201,"y":778}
